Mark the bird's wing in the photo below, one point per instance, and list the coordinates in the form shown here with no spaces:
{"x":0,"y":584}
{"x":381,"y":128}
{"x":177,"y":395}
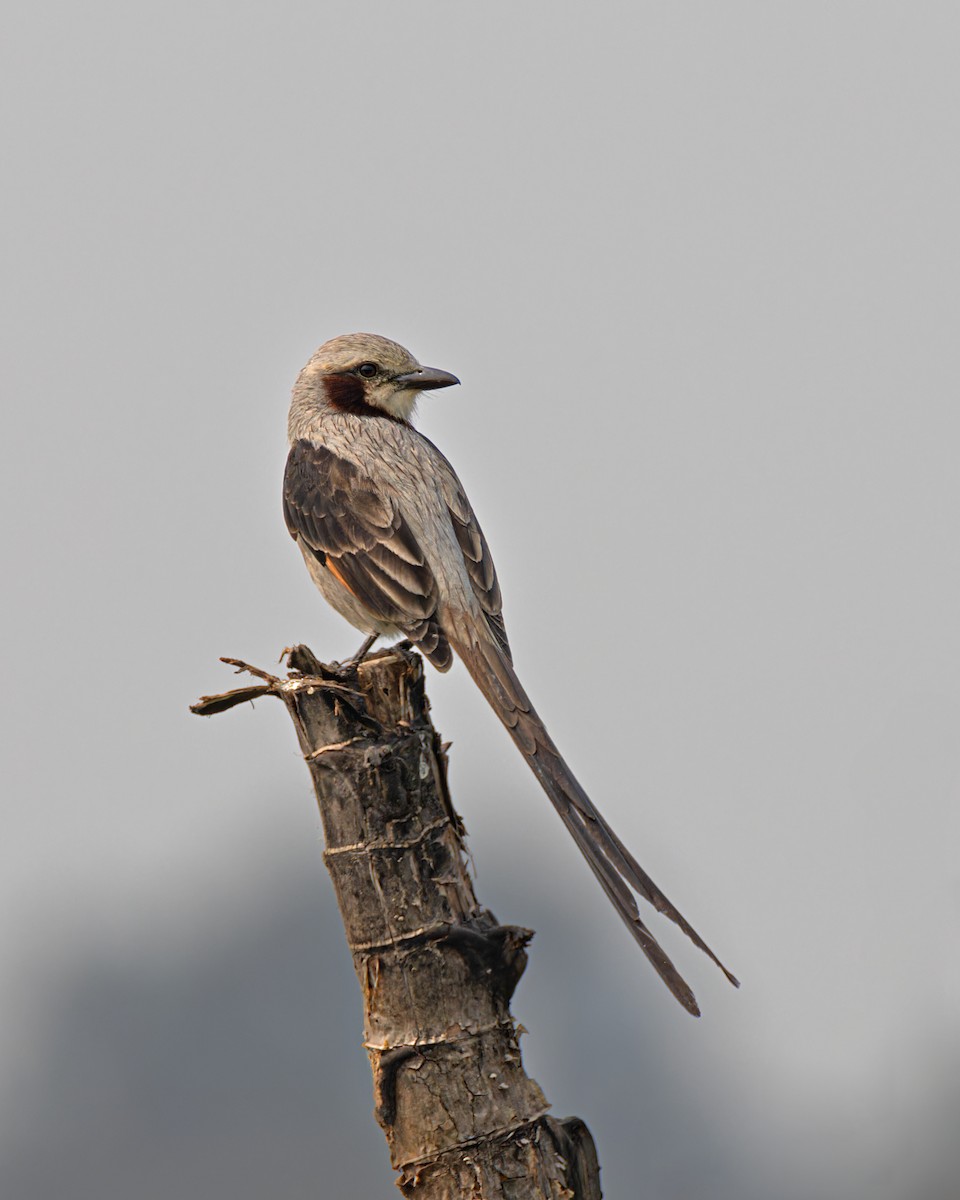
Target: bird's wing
{"x":338,"y":514}
{"x":360,"y":535}
{"x":476,"y":552}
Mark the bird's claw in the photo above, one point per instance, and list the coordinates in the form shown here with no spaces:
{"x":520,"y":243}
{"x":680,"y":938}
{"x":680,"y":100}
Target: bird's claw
{"x":351,"y":666}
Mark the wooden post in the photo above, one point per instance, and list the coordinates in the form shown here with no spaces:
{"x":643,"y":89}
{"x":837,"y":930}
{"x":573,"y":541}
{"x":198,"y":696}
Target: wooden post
{"x":462,"y":1119}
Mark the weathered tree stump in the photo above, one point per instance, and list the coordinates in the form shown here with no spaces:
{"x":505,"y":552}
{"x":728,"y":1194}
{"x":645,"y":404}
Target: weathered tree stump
{"x":461,"y":1117}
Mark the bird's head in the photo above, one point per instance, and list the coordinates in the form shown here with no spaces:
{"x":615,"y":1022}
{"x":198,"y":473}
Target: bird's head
{"x":366,"y":374}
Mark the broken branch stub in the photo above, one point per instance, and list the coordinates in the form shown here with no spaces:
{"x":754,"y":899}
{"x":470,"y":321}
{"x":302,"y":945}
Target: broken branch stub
{"x":461,"y":1117}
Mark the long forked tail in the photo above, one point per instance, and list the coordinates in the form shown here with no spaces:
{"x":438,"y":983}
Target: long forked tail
{"x":608,"y":858}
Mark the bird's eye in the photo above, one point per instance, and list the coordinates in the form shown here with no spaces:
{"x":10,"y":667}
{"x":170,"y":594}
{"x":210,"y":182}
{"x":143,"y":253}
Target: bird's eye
{"x":367,"y":370}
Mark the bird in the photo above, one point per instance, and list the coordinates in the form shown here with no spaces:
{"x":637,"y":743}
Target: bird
{"x":392,"y":543}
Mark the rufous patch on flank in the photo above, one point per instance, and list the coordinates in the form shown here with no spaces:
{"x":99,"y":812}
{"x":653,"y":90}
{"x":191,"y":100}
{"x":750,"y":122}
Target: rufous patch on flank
{"x":338,"y":577}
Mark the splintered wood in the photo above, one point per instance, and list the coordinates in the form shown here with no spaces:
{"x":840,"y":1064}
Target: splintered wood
{"x":462,"y":1119}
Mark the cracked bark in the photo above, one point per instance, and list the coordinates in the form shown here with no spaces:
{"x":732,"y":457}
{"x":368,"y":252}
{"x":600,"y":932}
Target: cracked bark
{"x":437,"y":972}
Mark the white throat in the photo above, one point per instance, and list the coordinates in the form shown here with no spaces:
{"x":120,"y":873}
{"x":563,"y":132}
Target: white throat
{"x":401,"y":403}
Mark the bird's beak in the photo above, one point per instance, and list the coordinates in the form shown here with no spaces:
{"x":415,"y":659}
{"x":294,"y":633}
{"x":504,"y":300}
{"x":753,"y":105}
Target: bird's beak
{"x":425,"y":379}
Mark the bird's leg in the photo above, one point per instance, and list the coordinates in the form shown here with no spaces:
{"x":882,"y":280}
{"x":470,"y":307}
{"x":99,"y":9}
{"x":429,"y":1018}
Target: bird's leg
{"x":352,"y":663}
{"x":365,"y":649}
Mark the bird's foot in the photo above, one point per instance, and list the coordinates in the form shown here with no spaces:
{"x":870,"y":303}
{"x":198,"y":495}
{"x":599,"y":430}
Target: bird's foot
{"x":351,"y":665}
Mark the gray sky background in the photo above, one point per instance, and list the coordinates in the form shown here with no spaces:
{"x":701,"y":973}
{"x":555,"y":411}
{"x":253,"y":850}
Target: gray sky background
{"x":697,"y":267}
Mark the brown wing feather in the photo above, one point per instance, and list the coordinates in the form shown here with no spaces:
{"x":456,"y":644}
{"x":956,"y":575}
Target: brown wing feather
{"x":337,"y":513}
{"x":476,"y":555}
